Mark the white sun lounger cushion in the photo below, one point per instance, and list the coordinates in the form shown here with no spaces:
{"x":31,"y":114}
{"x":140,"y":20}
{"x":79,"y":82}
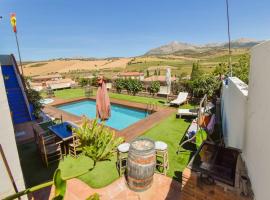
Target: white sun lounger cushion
{"x":181,"y":98}
{"x":187,"y":111}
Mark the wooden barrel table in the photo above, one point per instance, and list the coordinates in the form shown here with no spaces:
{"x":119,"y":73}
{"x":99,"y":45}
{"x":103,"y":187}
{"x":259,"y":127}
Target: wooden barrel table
{"x":141,"y":164}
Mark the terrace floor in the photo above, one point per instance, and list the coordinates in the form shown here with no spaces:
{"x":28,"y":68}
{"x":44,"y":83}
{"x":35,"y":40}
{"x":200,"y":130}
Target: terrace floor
{"x":162,"y":188}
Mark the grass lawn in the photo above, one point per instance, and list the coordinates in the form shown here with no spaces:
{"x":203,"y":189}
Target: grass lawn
{"x":69,"y":93}
{"x":138,"y":99}
{"x":79,"y":92}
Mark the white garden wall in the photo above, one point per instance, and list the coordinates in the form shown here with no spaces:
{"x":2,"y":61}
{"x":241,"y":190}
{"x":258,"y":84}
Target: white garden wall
{"x":233,"y":111}
{"x":257,"y":141}
{"x":246,"y":119}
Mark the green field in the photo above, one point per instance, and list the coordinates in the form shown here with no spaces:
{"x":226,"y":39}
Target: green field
{"x":183,"y":64}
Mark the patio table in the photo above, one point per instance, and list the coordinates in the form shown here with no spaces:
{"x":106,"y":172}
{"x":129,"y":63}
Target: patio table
{"x":63,"y":132}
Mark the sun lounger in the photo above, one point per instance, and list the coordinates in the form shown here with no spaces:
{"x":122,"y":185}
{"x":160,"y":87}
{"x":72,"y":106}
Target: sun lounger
{"x":187,"y":112}
{"x":194,"y":112}
{"x":181,"y":98}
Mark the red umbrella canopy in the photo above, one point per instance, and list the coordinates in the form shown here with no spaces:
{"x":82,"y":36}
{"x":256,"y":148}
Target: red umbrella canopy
{"x":103,"y":106}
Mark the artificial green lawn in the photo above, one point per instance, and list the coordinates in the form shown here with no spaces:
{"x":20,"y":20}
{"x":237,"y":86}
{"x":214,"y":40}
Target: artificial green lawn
{"x":170,"y":130}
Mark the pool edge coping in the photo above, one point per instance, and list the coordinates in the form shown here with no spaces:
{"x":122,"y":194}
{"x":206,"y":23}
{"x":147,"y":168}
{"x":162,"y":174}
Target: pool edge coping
{"x":130,"y":132}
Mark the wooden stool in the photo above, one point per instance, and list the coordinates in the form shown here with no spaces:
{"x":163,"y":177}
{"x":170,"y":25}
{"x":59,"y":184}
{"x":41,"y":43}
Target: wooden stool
{"x":162,"y":156}
{"x":122,"y":154}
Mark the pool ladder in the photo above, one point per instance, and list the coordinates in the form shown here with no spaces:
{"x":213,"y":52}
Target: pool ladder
{"x":151,"y":107}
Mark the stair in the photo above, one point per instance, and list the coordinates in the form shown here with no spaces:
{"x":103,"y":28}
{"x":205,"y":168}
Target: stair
{"x":16,"y":100}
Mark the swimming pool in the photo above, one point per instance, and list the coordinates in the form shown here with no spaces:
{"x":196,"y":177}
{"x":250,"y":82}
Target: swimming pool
{"x":121,"y":117}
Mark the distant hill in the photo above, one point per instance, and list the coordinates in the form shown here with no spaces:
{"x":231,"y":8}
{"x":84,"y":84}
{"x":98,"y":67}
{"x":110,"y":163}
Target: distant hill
{"x":179,"y":48}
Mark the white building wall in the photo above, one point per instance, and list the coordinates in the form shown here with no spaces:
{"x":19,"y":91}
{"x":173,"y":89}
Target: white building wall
{"x":7,"y":140}
{"x":257,"y":143}
{"x":233,"y":104}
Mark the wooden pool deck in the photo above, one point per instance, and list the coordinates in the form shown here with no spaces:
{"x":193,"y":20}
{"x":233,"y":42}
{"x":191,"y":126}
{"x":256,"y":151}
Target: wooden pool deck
{"x":129,"y":133}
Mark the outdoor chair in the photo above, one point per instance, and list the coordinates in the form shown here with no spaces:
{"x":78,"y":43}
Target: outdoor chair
{"x":38,"y":131}
{"x":74,"y":148}
{"x":162,"y":156}
{"x":50,"y":149}
{"x":122,"y":155}
{"x":181,"y":98}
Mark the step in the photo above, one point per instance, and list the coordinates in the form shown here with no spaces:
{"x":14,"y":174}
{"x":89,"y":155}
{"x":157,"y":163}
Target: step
{"x":20,"y":112}
{"x":19,"y":121}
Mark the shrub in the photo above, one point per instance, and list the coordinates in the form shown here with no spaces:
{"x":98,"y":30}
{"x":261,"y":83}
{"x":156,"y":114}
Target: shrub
{"x":34,"y":98}
{"x":154,"y":87}
{"x":98,"y":142}
{"x":180,"y":86}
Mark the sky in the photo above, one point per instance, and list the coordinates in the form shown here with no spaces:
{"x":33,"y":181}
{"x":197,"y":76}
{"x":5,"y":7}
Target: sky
{"x":124,"y":28}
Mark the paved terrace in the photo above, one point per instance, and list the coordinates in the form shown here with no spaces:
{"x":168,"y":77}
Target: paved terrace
{"x":163,"y":188}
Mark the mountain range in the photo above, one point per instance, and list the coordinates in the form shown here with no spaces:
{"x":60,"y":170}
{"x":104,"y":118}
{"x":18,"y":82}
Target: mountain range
{"x":176,"y":47}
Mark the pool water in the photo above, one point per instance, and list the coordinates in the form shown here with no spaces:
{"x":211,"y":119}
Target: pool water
{"x":121,"y":117}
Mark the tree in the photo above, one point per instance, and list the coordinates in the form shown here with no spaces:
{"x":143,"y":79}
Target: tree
{"x":241,"y":68}
{"x":154,"y":87}
{"x":94,"y":81}
{"x":221,"y":70}
{"x":119,"y":84}
{"x":196,"y":71}
{"x":98,"y":142}
{"x":205,"y":84}
{"x":147,"y":73}
{"x":133,"y":86}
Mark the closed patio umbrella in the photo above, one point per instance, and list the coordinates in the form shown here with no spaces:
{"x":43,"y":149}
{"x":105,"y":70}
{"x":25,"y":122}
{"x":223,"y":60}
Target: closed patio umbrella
{"x":168,"y":80}
{"x":103,"y":106}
